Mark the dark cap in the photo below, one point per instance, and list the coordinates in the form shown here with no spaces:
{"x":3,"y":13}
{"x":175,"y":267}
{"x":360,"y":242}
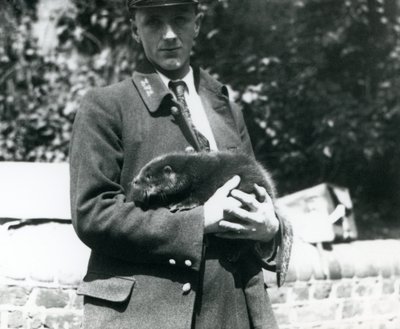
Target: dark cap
{"x":158,"y":3}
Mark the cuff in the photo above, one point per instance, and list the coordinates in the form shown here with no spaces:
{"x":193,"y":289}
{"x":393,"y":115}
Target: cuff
{"x":274,"y":255}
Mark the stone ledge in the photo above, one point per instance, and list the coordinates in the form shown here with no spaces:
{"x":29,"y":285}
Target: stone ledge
{"x":42,"y":255}
{"x":359,"y":259}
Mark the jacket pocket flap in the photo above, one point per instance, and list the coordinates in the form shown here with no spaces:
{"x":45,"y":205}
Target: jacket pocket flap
{"x":107,"y":287}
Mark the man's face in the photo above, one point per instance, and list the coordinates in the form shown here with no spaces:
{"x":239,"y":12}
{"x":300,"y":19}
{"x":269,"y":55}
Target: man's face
{"x":167,"y":35}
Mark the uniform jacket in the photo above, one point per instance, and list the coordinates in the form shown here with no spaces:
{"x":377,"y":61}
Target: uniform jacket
{"x":143,"y":271}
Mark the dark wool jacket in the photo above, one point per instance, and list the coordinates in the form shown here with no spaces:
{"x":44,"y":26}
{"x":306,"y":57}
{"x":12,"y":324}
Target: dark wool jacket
{"x":144,"y":267}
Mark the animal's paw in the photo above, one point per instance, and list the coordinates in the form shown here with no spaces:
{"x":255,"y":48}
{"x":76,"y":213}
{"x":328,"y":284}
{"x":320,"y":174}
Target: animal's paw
{"x":181,"y":206}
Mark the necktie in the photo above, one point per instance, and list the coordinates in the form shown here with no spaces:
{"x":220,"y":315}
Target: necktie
{"x":178,"y":88}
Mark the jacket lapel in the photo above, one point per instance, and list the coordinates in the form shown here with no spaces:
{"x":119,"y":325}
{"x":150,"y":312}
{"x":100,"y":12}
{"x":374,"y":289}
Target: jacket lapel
{"x":215,"y":100}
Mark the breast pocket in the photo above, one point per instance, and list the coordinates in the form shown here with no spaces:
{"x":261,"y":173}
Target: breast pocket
{"x":106,"y":287}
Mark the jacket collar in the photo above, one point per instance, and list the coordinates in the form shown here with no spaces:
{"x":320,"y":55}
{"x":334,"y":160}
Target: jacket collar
{"x":204,"y":80}
{"x":153,"y":91}
{"x":150,"y":86}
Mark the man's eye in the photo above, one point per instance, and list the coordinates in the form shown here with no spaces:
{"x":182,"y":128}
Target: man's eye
{"x":181,"y":20}
{"x":153,"y":22}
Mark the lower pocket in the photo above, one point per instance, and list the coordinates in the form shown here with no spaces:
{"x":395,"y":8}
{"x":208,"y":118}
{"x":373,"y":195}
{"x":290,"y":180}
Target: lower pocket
{"x":107,"y":287}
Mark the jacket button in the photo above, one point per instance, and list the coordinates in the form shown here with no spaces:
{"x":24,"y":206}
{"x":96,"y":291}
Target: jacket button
{"x":172,"y":261}
{"x":174,"y":110}
{"x":189,"y":149}
{"x":186,"y":287}
{"x":188,"y":263}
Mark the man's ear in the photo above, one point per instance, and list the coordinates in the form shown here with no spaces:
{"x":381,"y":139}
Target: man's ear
{"x":134,"y":30}
{"x":198,"y":20}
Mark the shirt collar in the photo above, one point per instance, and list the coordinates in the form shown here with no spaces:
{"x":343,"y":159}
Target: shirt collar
{"x":153,"y":90}
{"x":188,"y":79}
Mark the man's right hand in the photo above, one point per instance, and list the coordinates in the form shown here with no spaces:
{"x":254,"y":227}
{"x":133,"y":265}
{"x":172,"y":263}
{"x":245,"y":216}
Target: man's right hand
{"x":219,"y":206}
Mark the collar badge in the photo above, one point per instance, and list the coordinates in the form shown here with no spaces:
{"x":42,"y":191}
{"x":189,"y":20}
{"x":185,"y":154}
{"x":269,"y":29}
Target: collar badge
{"x":147,"y":87}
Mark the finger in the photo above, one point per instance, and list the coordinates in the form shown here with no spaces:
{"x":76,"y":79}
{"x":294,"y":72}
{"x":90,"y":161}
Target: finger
{"x":229,"y":185}
{"x":232,"y":227}
{"x":247,"y":199}
{"x":246,"y":216}
{"x":230,"y":206}
{"x":233,"y":203}
{"x":232,"y":236}
{"x":269,"y":199}
{"x":261,"y":193}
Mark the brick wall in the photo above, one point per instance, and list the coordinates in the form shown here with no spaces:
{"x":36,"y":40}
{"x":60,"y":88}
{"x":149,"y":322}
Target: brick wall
{"x":351,"y":286}
{"x":26,"y":306}
{"x":40,"y":268}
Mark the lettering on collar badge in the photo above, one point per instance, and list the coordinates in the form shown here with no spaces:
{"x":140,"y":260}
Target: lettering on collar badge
{"x":147,"y":87}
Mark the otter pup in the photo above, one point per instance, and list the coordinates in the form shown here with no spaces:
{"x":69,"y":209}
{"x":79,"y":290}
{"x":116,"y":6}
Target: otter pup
{"x":184,"y":180}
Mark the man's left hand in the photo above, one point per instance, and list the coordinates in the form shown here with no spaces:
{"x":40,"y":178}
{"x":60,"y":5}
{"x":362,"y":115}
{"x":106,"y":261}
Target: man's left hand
{"x":257,"y":222}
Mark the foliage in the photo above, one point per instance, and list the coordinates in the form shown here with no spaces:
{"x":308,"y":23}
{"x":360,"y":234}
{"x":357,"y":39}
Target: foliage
{"x":100,"y":31}
{"x":318,"y":81}
{"x":39,"y":92}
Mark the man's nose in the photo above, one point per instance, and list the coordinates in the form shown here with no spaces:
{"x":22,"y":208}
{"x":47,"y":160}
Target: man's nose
{"x":169,"y":32}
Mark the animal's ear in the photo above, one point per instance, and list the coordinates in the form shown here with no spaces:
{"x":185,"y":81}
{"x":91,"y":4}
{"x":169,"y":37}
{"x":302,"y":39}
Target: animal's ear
{"x":167,"y":169}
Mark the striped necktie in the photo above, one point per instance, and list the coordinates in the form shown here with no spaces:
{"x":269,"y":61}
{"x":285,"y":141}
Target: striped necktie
{"x":178,"y":88}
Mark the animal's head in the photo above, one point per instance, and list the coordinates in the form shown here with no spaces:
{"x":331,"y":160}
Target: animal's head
{"x":162,"y":179}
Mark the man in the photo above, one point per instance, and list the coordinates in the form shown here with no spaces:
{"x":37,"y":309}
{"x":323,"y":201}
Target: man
{"x":155,"y":268}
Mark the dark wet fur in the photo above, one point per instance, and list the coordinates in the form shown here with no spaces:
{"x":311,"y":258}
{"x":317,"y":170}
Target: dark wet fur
{"x":194,"y":177}
{"x":185,"y":180}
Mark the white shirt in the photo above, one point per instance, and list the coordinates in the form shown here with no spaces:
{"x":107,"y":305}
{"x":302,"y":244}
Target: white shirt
{"x":196,"y":109}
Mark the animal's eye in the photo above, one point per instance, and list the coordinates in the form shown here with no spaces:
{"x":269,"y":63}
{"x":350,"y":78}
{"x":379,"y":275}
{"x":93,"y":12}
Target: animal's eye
{"x":148,"y":176}
{"x":167,"y":169}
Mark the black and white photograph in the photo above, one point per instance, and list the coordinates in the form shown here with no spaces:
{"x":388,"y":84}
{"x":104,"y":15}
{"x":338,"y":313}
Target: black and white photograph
{"x":199,"y":164}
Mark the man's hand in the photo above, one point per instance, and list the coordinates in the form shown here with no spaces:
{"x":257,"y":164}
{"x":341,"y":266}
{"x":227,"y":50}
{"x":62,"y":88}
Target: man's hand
{"x":225,"y":215}
{"x":219,"y":206}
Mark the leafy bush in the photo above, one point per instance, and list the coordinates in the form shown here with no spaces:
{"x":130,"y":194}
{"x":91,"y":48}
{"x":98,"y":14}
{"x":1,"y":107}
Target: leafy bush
{"x":39,"y":92}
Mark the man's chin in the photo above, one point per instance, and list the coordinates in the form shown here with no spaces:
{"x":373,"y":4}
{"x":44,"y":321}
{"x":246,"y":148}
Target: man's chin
{"x":171,"y":65}
{"x":174,"y":69}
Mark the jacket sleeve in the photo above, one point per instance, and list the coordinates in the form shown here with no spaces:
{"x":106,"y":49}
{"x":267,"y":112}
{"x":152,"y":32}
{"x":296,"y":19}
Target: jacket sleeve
{"x":273,"y":255}
{"x":101,"y":215}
